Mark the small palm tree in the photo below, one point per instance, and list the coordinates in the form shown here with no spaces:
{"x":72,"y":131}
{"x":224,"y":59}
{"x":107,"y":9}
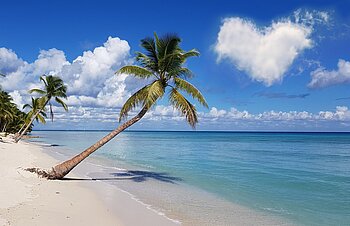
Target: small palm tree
{"x":34,"y":108}
{"x":53,"y":88}
{"x":162,"y":62}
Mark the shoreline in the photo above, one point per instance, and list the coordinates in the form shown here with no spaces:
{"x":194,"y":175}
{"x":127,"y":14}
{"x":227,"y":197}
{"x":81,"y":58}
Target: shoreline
{"x":142,"y":199}
{"x":26,"y":199}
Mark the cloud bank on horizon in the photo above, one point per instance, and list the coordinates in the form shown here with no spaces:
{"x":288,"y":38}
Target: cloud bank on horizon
{"x":95,"y":93}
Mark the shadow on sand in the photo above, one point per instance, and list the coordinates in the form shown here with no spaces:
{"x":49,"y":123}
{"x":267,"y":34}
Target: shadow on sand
{"x":133,"y":175}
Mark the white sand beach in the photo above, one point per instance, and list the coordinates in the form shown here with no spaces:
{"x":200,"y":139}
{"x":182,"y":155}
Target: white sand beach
{"x":28,"y":200}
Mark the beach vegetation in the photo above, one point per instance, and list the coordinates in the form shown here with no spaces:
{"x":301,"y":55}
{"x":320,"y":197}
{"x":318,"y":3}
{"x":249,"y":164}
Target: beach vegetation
{"x":11,"y":118}
{"x":54,"y":89}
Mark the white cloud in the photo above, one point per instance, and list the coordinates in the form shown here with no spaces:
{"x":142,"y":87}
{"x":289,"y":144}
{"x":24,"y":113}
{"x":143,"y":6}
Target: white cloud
{"x":9,"y":62}
{"x":17,"y":98}
{"x":321,"y":77}
{"x":266,"y":54}
{"x":88,"y":73}
{"x":215,"y":113}
{"x":166,"y":117}
{"x":90,"y":77}
{"x":342,"y":113}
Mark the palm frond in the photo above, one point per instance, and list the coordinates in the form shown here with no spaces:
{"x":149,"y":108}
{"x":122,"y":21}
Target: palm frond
{"x":191,"y":53}
{"x":40,"y":91}
{"x":146,"y":97}
{"x":190,"y":89}
{"x":42,"y":78}
{"x":184,"y":106}
{"x":64,"y":105}
{"x":154,"y":92}
{"x":167,"y":44}
{"x":41,"y":119}
{"x":27,"y":106}
{"x":149,"y":45}
{"x":133,"y":101}
{"x":136,"y":71}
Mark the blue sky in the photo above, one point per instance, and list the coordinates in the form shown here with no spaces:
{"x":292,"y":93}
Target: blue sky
{"x":290,"y":71}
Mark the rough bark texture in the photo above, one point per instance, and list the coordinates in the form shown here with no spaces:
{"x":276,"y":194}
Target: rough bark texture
{"x":62,"y":169}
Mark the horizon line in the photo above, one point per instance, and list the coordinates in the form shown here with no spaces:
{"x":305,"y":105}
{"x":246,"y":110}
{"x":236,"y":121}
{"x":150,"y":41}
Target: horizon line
{"x":193,"y":131}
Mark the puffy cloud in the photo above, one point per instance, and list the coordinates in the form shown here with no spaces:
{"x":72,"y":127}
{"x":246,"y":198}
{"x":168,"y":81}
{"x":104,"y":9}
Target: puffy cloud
{"x":321,"y":77}
{"x":9,"y":62}
{"x":17,"y":98}
{"x":266,"y":54}
{"x":90,"y":77}
{"x":88,"y":73}
{"x":342,"y":113}
{"x":215,"y":113}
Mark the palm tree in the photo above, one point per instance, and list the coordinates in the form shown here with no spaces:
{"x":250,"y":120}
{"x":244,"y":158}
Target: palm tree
{"x":6,"y":109}
{"x":53,"y":88}
{"x":35,"y":107}
{"x":10,"y":115}
{"x":163,"y":63}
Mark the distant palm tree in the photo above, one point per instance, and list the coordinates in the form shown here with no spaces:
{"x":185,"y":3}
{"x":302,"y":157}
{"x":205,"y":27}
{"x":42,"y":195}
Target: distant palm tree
{"x":6,"y":110}
{"x":34,"y":108}
{"x":53,"y":88}
{"x":162,"y":63}
{"x":10,"y":116}
{"x":7,"y":115}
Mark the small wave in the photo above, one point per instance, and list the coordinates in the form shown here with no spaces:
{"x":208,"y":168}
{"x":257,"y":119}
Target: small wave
{"x":280,"y":210}
{"x":107,"y":167}
{"x":150,"y":207}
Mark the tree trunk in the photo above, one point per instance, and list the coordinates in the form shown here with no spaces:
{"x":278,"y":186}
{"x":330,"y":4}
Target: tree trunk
{"x":31,"y":121}
{"x":4,"y":128}
{"x":20,"y":130}
{"x":62,"y":169}
{"x":27,"y":127}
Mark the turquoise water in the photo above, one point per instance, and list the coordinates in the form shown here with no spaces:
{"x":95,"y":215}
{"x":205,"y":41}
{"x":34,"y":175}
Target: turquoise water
{"x":304,"y":177}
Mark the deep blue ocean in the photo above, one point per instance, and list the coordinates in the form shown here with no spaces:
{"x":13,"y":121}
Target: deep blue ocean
{"x":304,"y":177}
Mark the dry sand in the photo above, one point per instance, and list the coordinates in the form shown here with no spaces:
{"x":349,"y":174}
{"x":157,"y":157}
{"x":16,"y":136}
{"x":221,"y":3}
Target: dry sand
{"x":28,"y":200}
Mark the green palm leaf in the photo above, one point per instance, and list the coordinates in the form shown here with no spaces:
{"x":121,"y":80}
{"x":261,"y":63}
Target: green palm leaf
{"x":184,"y":106}
{"x":133,"y":102}
{"x":64,"y":105}
{"x":190,"y":89}
{"x":135,"y":71}
{"x":39,"y":91}
{"x":146,"y":97}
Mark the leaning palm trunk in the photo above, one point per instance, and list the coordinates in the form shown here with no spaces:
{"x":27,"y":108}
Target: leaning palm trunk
{"x":28,"y":125}
{"x":4,"y":128}
{"x":31,"y":121}
{"x":20,"y":130}
{"x":62,"y":169}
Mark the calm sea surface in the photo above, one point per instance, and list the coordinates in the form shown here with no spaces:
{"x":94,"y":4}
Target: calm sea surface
{"x":304,"y":177}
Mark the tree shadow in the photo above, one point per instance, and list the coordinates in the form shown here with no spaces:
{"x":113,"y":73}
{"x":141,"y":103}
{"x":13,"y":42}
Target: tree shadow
{"x":133,"y":175}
